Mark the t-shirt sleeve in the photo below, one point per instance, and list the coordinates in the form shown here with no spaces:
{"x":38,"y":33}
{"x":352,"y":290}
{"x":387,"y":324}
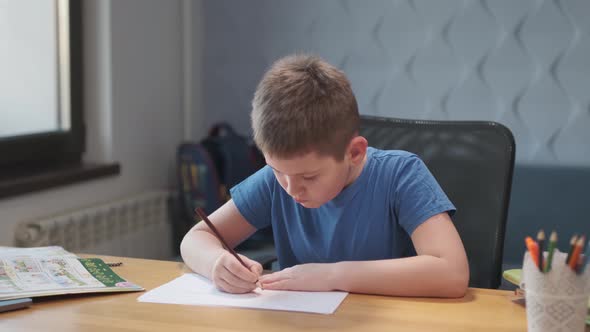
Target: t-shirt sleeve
{"x":418,"y":196}
{"x":253,"y":197}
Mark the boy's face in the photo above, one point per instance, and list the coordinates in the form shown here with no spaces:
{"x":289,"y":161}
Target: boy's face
{"x":312,"y":179}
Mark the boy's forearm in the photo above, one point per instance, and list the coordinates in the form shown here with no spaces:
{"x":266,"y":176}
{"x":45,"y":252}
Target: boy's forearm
{"x":200,"y":250}
{"x":422,"y":275}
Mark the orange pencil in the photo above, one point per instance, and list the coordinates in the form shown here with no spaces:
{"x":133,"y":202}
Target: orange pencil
{"x":533,"y":248}
{"x":573,"y":263}
{"x":573,"y":241}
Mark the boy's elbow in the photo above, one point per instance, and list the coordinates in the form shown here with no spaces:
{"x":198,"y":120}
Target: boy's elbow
{"x":458,"y":281}
{"x":184,"y":244}
{"x":457,"y":285}
{"x":457,"y":289}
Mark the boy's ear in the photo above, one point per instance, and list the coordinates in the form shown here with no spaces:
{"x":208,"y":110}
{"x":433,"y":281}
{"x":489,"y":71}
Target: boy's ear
{"x":357,"y":149}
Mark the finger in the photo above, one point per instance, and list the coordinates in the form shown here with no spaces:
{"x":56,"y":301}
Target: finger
{"x":257,"y":269}
{"x":236,"y":268}
{"x":223,"y":270}
{"x":253,"y":265}
{"x":273,"y":277}
{"x":284,"y":284}
{"x":237,"y":280}
{"x":225,"y":286}
{"x":235,"y":288}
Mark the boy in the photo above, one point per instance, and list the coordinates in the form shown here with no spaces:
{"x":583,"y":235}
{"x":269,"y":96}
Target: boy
{"x":344,"y":216}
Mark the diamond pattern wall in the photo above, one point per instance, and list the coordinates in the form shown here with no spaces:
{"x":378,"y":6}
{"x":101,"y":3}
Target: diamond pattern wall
{"x":523,"y":63}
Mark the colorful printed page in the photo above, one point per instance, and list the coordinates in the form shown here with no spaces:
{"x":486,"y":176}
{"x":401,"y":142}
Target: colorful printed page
{"x":30,"y":272}
{"x":193,"y":289}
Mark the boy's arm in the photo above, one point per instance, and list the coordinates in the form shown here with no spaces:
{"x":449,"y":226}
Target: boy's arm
{"x":200,"y":249}
{"x":440,"y":268}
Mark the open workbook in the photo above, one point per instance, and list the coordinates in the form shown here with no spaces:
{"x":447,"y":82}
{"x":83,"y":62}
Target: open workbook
{"x":44,"y":271}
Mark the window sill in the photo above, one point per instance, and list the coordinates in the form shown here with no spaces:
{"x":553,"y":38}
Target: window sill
{"x":17,"y":182}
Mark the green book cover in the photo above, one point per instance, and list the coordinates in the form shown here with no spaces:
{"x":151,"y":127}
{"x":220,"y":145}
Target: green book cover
{"x":101,"y":271}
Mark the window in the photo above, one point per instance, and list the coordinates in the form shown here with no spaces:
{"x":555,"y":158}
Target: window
{"x":42,"y":134}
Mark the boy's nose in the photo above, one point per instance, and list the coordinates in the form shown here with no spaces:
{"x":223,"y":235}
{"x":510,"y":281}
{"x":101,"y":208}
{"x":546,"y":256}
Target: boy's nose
{"x":293,"y":187}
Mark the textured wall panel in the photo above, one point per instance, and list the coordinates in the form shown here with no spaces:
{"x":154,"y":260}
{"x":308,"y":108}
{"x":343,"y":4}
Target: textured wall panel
{"x":523,"y":63}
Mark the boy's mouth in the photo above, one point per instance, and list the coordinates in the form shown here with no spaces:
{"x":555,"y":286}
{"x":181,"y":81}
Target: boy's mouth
{"x":300,"y":201}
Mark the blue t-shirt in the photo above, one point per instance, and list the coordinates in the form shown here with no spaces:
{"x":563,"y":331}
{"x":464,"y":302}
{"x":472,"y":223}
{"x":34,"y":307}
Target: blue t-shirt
{"x":371,"y":219}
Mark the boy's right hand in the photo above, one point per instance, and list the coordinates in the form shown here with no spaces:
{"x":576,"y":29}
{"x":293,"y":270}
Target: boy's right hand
{"x":229,"y":275}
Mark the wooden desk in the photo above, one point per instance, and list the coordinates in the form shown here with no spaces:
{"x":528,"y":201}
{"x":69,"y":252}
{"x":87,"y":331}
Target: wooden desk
{"x":479,"y":310}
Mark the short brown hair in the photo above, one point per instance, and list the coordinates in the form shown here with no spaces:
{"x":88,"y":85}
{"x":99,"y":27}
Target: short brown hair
{"x":304,"y":104}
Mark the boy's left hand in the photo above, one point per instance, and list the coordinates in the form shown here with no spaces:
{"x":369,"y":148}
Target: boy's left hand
{"x":304,"y":277}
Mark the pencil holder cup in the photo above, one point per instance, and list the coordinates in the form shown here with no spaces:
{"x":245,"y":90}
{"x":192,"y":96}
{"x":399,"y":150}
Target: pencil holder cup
{"x":555,"y":300}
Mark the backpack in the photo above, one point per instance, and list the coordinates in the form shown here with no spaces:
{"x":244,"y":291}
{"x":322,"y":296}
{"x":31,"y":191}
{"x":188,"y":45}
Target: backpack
{"x":207,"y":170}
{"x":199,"y":182}
{"x":235,"y":157}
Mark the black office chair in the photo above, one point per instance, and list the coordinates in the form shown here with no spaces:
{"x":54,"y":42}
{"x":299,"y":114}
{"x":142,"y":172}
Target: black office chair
{"x":473,"y":162}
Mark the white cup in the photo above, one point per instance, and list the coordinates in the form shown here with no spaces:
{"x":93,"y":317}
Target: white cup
{"x":556,"y":300}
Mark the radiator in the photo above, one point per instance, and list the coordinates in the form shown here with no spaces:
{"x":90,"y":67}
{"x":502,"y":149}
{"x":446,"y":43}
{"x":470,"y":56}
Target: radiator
{"x":138,"y":226}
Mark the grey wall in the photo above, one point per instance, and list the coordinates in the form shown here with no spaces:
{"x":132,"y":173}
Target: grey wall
{"x":133,"y":96}
{"x":525,"y":64}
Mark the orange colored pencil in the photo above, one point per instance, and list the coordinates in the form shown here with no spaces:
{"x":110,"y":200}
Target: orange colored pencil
{"x":573,"y":263}
{"x":573,"y":241}
{"x":533,"y":248}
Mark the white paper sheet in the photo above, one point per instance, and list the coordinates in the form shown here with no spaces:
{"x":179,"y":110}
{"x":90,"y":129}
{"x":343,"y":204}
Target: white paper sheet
{"x":196,"y":290}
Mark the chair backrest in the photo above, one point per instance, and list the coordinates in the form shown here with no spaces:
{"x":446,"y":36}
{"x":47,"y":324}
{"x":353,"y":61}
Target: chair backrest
{"x":473,"y":162}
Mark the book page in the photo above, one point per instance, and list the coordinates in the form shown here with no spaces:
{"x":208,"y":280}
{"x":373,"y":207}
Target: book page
{"x":26,"y":272}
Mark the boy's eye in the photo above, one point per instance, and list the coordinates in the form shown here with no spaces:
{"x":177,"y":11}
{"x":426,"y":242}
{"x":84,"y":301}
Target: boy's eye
{"x":310,"y":178}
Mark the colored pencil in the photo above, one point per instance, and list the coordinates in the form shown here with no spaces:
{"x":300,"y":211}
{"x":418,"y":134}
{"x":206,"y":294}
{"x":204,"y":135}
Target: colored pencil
{"x":533,"y":249}
{"x":541,"y":244}
{"x":202,"y":214}
{"x":551,"y":250}
{"x":573,"y":241}
{"x":573,"y":264}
